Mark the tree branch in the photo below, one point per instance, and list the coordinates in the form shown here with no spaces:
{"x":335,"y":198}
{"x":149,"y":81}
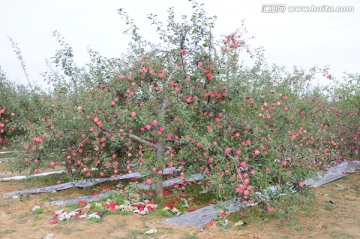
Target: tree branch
{"x":132,"y":136}
{"x":144,"y":141}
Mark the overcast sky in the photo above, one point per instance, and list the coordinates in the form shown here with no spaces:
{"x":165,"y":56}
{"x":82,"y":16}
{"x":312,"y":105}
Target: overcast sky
{"x":301,"y":38}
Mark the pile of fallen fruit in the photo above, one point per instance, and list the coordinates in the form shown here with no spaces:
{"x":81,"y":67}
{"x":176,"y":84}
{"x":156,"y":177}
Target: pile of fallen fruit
{"x":98,"y":209}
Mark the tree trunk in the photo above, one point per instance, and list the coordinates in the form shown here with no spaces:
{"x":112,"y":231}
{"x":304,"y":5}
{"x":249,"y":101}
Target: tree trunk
{"x":158,"y":187}
{"x":159,"y":190}
{"x":161,"y":147}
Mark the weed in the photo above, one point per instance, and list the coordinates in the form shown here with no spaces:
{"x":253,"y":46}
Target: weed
{"x":38,"y":211}
{"x":116,"y":197}
{"x":189,"y":236}
{"x":95,"y":220}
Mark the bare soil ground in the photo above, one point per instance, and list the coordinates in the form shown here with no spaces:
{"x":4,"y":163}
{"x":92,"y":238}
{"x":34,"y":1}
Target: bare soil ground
{"x":323,"y":219}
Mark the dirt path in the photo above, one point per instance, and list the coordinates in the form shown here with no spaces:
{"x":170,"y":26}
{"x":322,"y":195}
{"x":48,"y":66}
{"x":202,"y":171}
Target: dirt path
{"x":340,"y":219}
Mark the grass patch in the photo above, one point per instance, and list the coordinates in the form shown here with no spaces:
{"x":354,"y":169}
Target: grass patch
{"x":51,"y":179}
{"x":73,"y":206}
{"x":12,"y":153}
{"x":4,"y":203}
{"x":356,"y":189}
{"x":189,"y":236}
{"x":136,"y":234}
{"x":95,"y":220}
{"x":62,"y":228}
{"x":7,"y":232}
{"x":328,"y":207}
{"x":287,"y":210}
{"x":339,"y":235}
{"x":23,"y":218}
